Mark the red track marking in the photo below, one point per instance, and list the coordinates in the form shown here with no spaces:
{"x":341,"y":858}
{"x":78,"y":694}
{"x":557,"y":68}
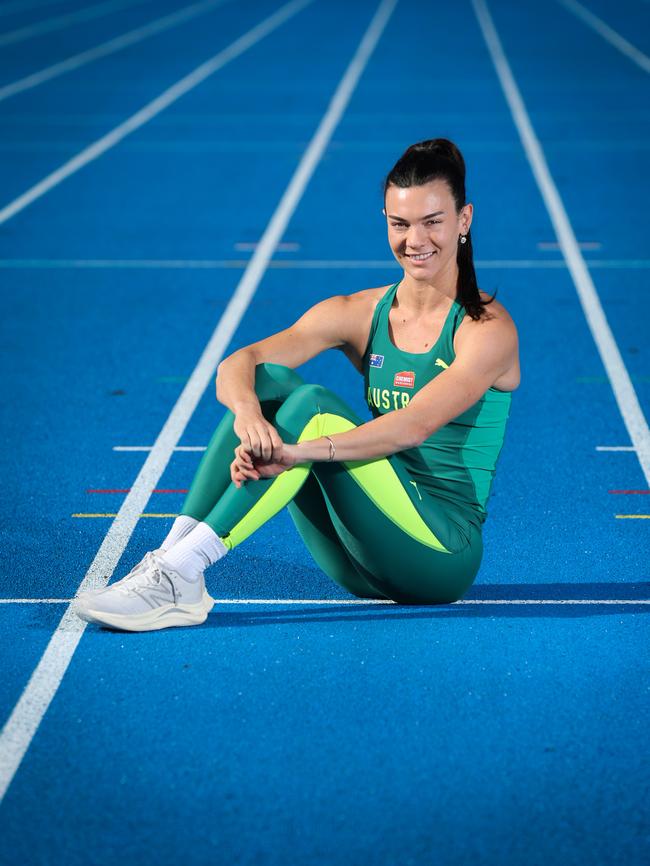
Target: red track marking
{"x":628,"y":491}
{"x":127,"y":490}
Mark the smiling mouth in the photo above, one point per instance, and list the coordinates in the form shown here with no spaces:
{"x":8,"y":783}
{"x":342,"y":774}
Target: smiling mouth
{"x":420,"y":257}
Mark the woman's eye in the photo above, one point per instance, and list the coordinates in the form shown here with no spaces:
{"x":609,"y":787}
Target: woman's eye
{"x":398,"y":225}
{"x":433,"y":222}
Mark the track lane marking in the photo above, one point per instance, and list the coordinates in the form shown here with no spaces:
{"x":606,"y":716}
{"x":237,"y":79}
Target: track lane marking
{"x":298,"y":264}
{"x":299,"y":601}
{"x":608,"y":33}
{"x":131,"y":37}
{"x":153,"y":108}
{"x":61,"y":22}
{"x":622,"y":387}
{"x":44,"y":682}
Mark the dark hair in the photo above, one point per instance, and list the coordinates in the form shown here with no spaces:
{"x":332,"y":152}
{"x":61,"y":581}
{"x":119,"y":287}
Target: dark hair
{"x":439,"y":158}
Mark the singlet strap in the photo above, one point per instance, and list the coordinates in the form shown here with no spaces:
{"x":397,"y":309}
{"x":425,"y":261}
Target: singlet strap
{"x":458,"y":318}
{"x":386,"y":298}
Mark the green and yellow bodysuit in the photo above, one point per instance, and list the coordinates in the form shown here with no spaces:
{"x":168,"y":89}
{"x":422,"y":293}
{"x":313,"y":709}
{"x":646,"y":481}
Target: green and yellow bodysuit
{"x":406,"y":527}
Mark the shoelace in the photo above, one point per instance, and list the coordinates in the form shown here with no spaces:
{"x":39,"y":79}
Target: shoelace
{"x":136,"y":572}
{"x":152,"y":575}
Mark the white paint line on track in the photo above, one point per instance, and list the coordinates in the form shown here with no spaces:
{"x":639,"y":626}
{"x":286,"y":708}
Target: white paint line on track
{"x":26,"y":716}
{"x":285,"y":246}
{"x":115,"y":515}
{"x":61,"y":22}
{"x":203,"y":448}
{"x":622,"y":387}
{"x":150,"y":447}
{"x":109,"y":47}
{"x":153,"y":108}
{"x":608,"y":33}
{"x":583,"y":245}
{"x":327,"y":601}
{"x":298,"y":264}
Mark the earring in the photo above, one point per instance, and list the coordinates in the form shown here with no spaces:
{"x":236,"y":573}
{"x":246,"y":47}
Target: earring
{"x":463,"y":239}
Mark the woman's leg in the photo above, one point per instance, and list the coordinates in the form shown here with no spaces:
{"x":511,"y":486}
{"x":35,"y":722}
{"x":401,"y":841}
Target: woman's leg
{"x":410,"y":549}
{"x":309,"y":513}
{"x":405,"y":547}
{"x":273,"y":384}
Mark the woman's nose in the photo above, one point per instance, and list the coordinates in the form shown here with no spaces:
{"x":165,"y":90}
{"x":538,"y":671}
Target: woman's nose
{"x":416,"y":237}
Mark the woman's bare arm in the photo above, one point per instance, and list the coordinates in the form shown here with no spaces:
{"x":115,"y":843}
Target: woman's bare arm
{"x":477,"y":366}
{"x":328,"y":324}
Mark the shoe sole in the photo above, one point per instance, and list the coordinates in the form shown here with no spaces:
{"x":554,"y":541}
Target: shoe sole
{"x":165,"y":616}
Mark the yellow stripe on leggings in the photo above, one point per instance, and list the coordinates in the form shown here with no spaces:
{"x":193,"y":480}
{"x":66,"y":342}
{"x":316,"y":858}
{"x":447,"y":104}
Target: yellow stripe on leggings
{"x":377,"y":478}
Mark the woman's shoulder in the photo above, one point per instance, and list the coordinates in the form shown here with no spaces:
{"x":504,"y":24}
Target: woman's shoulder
{"x":495,"y":308}
{"x":358,"y":311}
{"x":495,"y":318}
{"x":367,"y":298}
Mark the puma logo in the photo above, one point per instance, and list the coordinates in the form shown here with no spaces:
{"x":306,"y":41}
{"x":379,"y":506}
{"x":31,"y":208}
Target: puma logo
{"x":441,"y":363}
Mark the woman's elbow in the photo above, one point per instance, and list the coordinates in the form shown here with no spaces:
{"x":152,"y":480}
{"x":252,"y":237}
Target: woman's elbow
{"x":414,"y":435}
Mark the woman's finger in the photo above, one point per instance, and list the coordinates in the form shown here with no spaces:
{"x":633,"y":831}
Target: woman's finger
{"x":256,"y":447}
{"x":248,"y":473}
{"x":242,"y":454}
{"x":266,"y":445}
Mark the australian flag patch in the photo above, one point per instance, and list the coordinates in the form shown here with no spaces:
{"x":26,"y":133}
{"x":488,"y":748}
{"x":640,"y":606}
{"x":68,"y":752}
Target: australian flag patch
{"x":376,"y":360}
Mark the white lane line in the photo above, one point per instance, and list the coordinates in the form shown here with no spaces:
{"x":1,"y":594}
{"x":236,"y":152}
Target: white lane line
{"x":26,"y":716}
{"x":615,"y":448}
{"x":297,"y":264}
{"x":285,"y":246}
{"x":150,"y":448}
{"x":608,"y":33}
{"x":622,"y":387}
{"x":144,"y":115}
{"x":465,"y":601}
{"x":106,"y":48}
{"x":583,"y":245}
{"x":60,"y":22}
{"x":35,"y":600}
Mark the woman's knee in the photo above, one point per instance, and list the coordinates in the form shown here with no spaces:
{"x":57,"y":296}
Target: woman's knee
{"x":276,"y":381}
{"x":310,"y":400}
{"x":299,"y":408}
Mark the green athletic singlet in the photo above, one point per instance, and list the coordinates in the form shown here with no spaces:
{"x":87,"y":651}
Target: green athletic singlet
{"x":457,"y":463}
{"x":405,"y":527}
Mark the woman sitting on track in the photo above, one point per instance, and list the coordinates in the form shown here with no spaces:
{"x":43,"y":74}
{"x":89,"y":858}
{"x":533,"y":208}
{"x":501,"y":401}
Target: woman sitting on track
{"x":391,"y":508}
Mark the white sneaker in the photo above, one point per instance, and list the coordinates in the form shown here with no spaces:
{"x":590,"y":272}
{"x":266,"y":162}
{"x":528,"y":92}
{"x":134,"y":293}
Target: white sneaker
{"x":156,"y":597}
{"x":138,"y":569}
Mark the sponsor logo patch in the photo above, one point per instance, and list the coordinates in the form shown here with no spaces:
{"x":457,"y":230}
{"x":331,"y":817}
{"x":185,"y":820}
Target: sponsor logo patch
{"x":376,"y":360}
{"x":404,"y":379}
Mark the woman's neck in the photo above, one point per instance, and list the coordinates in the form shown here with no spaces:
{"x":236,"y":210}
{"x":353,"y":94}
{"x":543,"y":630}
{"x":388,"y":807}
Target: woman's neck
{"x":420,"y":298}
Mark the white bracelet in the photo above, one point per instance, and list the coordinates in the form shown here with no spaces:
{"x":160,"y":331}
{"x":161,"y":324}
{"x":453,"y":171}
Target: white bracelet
{"x":332,"y":448}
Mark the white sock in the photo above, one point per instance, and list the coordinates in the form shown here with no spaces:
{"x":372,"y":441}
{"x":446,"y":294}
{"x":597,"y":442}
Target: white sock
{"x":194,"y":553}
{"x":181,"y":527}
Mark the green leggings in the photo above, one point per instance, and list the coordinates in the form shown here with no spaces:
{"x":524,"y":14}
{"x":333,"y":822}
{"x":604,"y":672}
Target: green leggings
{"x":364,"y":522}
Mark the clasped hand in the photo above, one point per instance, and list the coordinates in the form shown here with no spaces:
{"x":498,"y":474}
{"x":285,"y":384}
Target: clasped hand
{"x":261,"y":452}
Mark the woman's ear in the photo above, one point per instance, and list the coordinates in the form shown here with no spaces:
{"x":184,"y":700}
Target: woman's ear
{"x":466,"y":217}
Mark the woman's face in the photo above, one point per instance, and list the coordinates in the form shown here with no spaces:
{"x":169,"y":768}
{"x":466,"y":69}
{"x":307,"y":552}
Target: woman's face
{"x":424,"y":228}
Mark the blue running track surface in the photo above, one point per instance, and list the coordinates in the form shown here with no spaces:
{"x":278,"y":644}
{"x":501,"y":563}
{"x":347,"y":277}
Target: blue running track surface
{"x":295,"y":727}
